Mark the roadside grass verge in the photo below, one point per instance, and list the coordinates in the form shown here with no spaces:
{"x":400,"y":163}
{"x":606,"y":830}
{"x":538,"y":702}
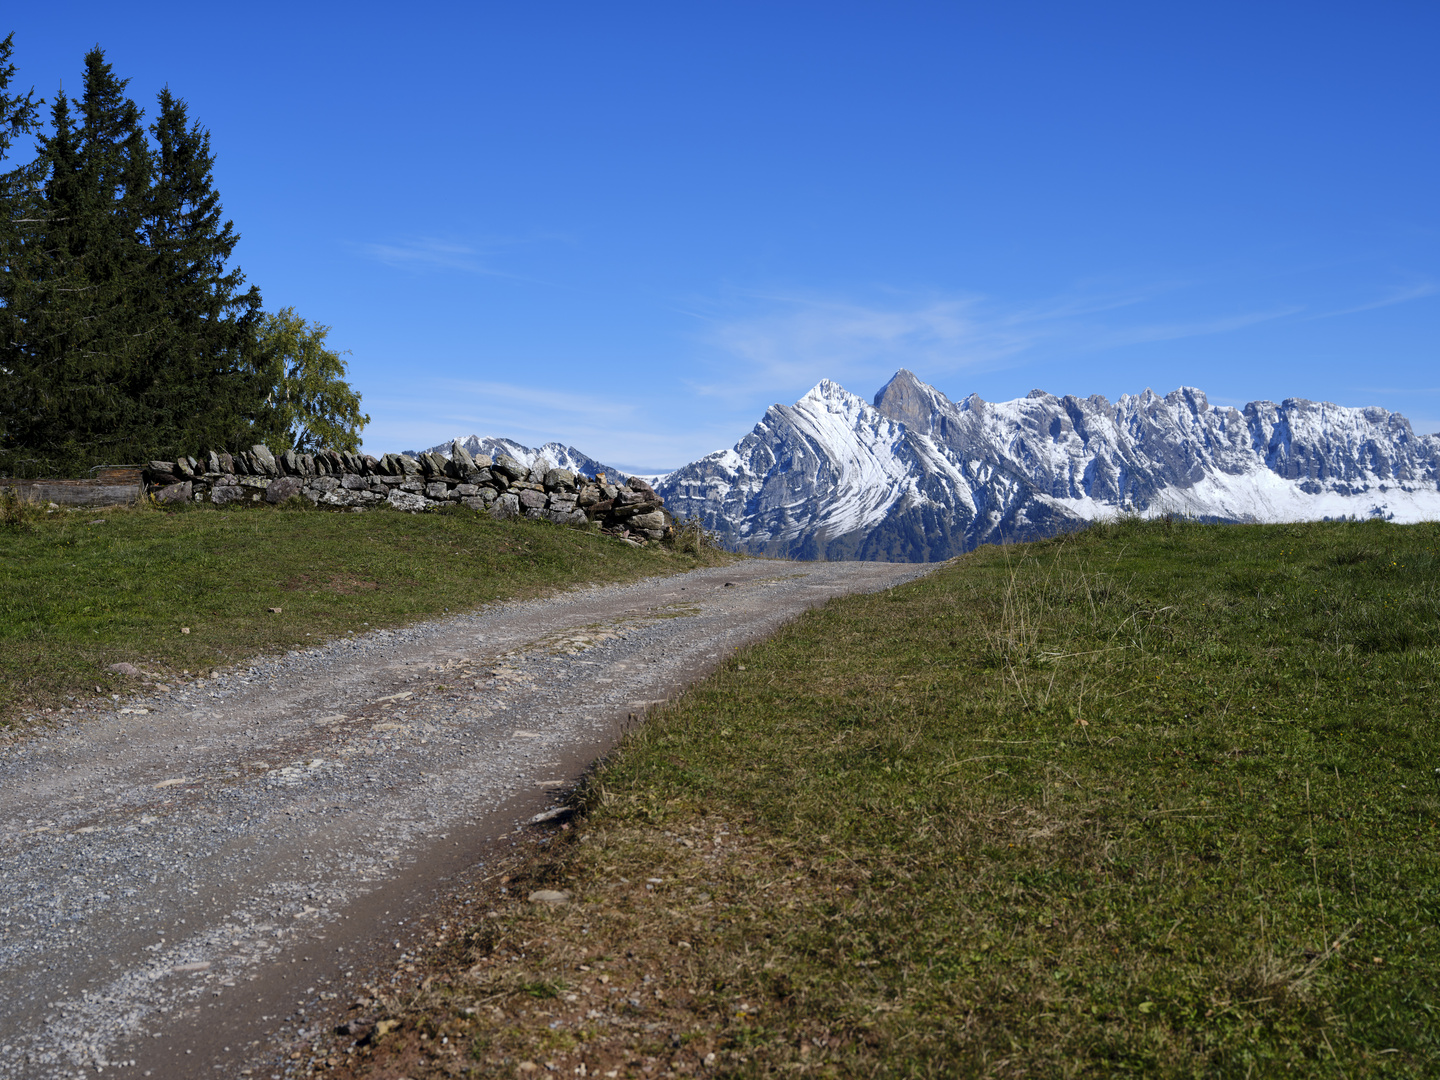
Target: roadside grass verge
{"x":1156,"y":799}
{"x":187,"y":591}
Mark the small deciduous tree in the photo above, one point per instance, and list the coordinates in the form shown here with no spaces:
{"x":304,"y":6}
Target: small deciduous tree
{"x":312,"y":406}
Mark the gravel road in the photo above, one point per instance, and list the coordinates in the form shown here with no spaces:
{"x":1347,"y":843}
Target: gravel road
{"x":186,"y":879}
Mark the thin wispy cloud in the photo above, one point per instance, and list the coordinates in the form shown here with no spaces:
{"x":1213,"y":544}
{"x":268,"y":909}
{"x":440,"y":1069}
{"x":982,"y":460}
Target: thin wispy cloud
{"x":1224,"y":324}
{"x":429,"y":253}
{"x":801,"y":339}
{"x":1399,"y":389}
{"x":793,"y":340}
{"x":619,"y":430}
{"x":1399,"y":296}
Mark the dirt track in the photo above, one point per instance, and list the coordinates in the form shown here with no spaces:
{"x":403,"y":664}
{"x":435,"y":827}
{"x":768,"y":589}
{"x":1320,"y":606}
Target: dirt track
{"x":183,"y":882}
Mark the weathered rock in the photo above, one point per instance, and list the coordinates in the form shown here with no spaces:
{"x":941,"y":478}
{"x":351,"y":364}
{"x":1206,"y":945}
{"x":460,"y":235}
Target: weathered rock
{"x":346,"y":497}
{"x":183,"y":469}
{"x":227,"y":463}
{"x":537,"y":472}
{"x":254,"y":483}
{"x":559,"y":501}
{"x":175,"y":492}
{"x":654,"y":520}
{"x":290,"y":462}
{"x":368,"y":464}
{"x":509,"y":468}
{"x":214,"y":463}
{"x":532,"y":500}
{"x":466,"y":490}
{"x":413,"y":485}
{"x":474,"y":502}
{"x":622,"y":513}
{"x":355,"y":482}
{"x":323,"y":485}
{"x":561,"y":479}
{"x":566,"y":517}
{"x":432,"y":465}
{"x":461,"y":461}
{"x":123,"y":668}
{"x":408,"y":465}
{"x":405,"y":500}
{"x":600,"y":509}
{"x":550,"y":896}
{"x":506,"y":506}
{"x":223,"y":494}
{"x":437,"y":490}
{"x":162,"y":468}
{"x":281,"y":489}
{"x":266,"y":460}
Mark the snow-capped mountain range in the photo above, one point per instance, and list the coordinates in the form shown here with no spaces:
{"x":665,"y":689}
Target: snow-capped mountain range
{"x":915,"y":476}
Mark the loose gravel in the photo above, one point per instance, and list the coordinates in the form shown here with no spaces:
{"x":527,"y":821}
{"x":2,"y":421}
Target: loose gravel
{"x":173,"y":870}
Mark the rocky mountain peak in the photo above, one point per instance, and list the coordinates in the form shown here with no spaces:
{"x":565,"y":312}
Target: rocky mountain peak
{"x":906,"y":400}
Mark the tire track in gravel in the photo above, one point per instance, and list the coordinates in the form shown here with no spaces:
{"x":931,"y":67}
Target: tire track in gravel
{"x":183,"y":881}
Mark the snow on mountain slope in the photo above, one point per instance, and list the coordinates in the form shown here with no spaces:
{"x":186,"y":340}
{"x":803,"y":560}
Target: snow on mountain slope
{"x":917,"y":476}
{"x":557,"y":454}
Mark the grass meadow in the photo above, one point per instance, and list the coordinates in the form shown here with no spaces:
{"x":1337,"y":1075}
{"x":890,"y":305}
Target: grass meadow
{"x":181,"y":592}
{"x":1156,"y":799}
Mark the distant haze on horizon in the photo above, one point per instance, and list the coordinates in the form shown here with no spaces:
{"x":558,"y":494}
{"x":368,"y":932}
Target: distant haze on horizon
{"x":632,"y":228}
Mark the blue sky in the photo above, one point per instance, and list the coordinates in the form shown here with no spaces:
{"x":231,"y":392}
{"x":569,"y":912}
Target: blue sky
{"x":633,"y":227}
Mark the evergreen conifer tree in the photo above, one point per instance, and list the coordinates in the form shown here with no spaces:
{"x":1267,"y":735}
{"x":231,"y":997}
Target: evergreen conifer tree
{"x":76,"y":347}
{"x":17,"y":117}
{"x":124,"y":331}
{"x":208,"y":389}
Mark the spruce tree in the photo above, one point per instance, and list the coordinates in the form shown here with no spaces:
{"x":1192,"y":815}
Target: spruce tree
{"x":76,"y":346}
{"x":17,"y":205}
{"x":124,"y":331}
{"x":206,"y":389}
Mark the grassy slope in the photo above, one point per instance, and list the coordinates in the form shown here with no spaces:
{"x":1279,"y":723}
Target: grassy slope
{"x":1158,"y":799}
{"x":77,"y":597}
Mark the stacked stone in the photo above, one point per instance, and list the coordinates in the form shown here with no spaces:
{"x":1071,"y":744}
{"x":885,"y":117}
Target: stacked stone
{"x":504,"y":487}
{"x":631,"y":510}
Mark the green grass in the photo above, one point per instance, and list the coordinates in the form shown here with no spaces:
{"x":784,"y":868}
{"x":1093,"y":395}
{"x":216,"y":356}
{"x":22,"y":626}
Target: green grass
{"x":77,"y":597}
{"x":1155,"y":799}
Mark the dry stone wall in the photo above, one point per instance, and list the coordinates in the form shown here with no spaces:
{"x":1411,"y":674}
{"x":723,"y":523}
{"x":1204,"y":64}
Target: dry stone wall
{"x":503,"y":487}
